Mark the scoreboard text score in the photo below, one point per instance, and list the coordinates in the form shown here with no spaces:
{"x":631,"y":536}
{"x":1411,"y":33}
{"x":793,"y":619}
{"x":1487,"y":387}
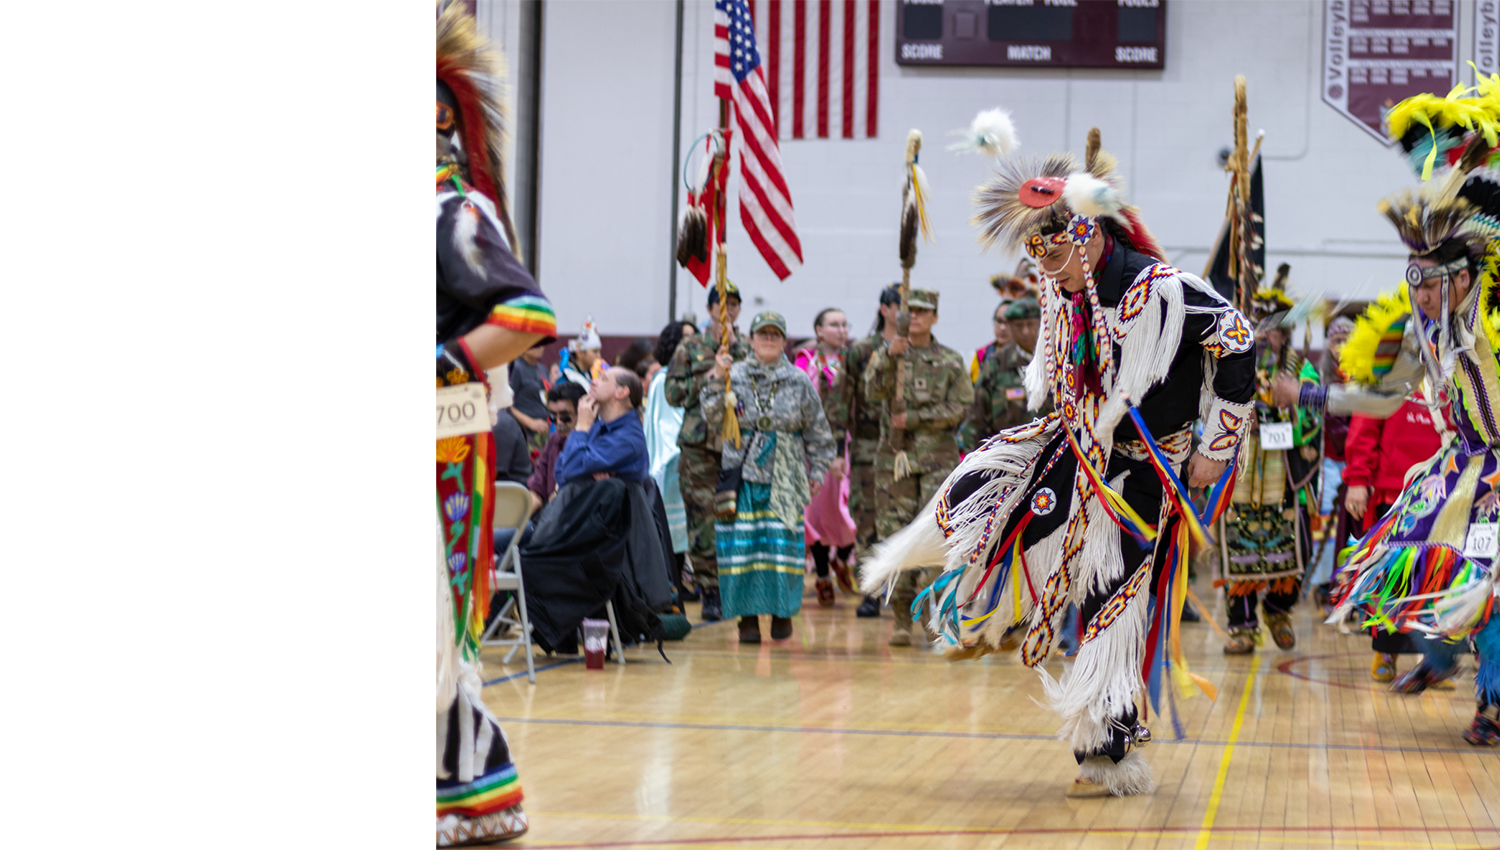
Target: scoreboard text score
{"x":1021,"y":33}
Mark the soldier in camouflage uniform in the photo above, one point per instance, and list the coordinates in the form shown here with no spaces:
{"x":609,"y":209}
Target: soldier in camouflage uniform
{"x":1000,"y":394}
{"x":698,"y":464}
{"x":850,"y":411}
{"x":938,"y":394}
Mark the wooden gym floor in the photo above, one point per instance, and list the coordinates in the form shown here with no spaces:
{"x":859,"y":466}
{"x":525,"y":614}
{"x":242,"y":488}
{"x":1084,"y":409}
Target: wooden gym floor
{"x":834,"y":740}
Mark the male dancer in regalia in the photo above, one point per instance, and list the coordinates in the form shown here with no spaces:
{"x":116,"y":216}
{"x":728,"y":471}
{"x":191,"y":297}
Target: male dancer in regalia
{"x":1428,"y":567}
{"x":1036,"y":517}
{"x":489,"y":311}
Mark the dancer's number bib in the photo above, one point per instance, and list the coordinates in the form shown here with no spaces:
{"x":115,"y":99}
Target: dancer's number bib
{"x":1276,"y":435}
{"x":462,"y":410}
{"x":1482,"y":542}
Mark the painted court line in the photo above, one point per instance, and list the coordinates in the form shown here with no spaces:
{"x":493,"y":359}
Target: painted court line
{"x":1303,"y":832}
{"x":1234,"y":735}
{"x":999,"y":736}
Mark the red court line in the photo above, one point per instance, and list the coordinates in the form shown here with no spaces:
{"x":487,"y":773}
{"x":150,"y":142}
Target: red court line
{"x":1286,"y":667}
{"x":925,"y":833}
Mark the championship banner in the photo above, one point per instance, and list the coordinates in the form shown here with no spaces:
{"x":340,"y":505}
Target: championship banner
{"x":1377,"y":53}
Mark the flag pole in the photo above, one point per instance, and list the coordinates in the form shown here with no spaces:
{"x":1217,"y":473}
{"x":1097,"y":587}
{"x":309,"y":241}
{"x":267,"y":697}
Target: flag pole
{"x":731,"y":429}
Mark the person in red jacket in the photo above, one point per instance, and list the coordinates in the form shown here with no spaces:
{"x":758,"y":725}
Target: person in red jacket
{"x":1378,"y":454}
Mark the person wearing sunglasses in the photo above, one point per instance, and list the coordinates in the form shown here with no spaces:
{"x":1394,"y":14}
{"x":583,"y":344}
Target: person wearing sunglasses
{"x":562,"y":409}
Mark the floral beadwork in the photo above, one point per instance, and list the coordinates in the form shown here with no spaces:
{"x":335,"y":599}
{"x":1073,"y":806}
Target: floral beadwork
{"x":1036,"y":246}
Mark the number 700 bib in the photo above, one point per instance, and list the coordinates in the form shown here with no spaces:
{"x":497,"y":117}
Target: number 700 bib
{"x":462,"y":410}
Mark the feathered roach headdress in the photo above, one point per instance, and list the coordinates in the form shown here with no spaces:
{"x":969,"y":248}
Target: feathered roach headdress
{"x":471,"y":106}
{"x":1269,"y":305}
{"x":1456,"y":134}
{"x":1031,"y":197}
{"x":1428,"y":217}
{"x":1024,"y":283}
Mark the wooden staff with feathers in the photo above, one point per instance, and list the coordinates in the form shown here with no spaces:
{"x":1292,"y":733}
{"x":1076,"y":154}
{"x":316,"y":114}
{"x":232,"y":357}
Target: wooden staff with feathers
{"x":1242,"y":234}
{"x":913,"y":218}
{"x":730,"y":433}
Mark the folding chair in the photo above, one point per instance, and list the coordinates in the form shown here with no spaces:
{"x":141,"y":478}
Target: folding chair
{"x":614,"y":633}
{"x":512,"y":510}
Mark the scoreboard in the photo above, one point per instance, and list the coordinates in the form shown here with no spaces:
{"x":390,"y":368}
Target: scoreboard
{"x":1033,"y":33}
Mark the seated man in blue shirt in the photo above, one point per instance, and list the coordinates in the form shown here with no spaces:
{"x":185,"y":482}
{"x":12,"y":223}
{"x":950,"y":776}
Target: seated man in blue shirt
{"x":608,"y":439}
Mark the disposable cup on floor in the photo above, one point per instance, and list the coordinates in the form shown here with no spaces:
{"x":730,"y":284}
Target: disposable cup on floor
{"x":595,"y":642}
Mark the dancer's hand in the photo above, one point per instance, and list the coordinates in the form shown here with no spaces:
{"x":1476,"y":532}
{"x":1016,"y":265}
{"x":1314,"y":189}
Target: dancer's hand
{"x":1203,"y":472}
{"x":1285,"y":390}
{"x":1356,"y":500}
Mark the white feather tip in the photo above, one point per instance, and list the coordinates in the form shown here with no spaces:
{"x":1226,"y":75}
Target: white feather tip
{"x":991,"y":133}
{"x":1087,"y":195}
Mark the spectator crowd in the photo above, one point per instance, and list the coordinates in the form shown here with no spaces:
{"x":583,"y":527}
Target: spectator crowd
{"x":638,"y":498}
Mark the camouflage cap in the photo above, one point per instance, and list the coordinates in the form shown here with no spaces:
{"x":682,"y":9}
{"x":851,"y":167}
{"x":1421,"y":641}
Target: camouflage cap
{"x":1023,"y":308}
{"x":768,"y":318}
{"x":924,"y":298}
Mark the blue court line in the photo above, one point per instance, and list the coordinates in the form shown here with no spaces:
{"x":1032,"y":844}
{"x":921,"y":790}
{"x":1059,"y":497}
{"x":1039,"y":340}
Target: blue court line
{"x":573,"y":660}
{"x":981,"y":735}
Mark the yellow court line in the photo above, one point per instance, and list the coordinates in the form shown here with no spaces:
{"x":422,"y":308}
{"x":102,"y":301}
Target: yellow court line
{"x":1234,"y":735}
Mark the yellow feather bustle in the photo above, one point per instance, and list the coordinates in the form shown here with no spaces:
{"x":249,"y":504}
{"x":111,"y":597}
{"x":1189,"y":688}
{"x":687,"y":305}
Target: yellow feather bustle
{"x":1357,"y":359}
{"x":1476,"y":114}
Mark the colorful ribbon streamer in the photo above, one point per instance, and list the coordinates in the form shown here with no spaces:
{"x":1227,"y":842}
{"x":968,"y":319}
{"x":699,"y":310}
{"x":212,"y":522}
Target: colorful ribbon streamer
{"x":1172,"y":486}
{"x":1115,"y":506}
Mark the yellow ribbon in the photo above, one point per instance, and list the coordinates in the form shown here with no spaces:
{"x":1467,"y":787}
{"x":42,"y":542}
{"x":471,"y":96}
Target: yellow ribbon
{"x":1181,"y":676}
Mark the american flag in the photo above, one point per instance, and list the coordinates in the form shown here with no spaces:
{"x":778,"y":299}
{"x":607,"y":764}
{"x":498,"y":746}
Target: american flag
{"x":822,"y":66}
{"x":765,"y":202}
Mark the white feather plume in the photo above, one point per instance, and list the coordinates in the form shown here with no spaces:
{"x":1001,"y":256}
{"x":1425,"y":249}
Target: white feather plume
{"x":991,"y":133}
{"x":1087,"y":195}
{"x":465,"y":237}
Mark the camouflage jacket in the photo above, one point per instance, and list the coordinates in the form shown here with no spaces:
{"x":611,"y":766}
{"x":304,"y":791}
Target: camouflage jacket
{"x":686,"y":376}
{"x":938,"y":395}
{"x":999,"y":397}
{"x":849,"y":409}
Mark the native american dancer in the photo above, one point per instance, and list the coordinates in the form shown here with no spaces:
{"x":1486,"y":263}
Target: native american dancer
{"x":1428,"y":567}
{"x":489,"y":311}
{"x":1265,"y":538}
{"x":1054,"y":511}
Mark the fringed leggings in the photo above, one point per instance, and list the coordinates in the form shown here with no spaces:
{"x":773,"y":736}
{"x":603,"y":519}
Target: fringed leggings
{"x":1442,"y":656}
{"x":1142,"y":490}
